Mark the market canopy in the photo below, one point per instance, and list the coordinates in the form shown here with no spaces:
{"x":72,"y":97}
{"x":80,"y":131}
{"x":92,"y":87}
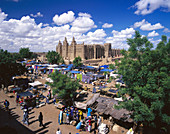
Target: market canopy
{"x":105,"y":70}
{"x":89,"y":67}
{"x":69,"y":67}
{"x":15,"y":89}
{"x":104,"y":66}
{"x":75,"y":72}
{"x":36,"y":83}
{"x":24,"y":94}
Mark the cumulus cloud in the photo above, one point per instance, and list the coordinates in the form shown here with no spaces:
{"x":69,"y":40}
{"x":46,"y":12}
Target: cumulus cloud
{"x":118,"y":39}
{"x":166,"y":30}
{"x":140,"y":23}
{"x":96,"y":36}
{"x":148,"y":6}
{"x":64,"y":18}
{"x":82,"y":25}
{"x":107,"y":25}
{"x":25,"y":32}
{"x":149,"y":27}
{"x":152,"y":34}
{"x":2,"y":16}
{"x":37,"y":15}
{"x":84,"y":15}
{"x":146,"y":26}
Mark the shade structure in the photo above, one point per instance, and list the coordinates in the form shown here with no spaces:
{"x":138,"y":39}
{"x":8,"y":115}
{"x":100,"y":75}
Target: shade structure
{"x":36,"y":83}
{"x":75,"y":72}
{"x":89,"y":67}
{"x":105,"y":70}
{"x":69,"y":67}
{"x":104,"y":66}
{"x":15,"y":89}
{"x":25,"y":94}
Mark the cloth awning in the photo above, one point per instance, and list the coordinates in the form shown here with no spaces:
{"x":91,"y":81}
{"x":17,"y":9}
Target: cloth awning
{"x":36,"y":83}
{"x":75,"y":72}
{"x":80,"y":105}
{"x":105,"y":70}
{"x":69,"y":67}
{"x":89,"y":67}
{"x":104,"y":66}
{"x":15,"y":89}
{"x":24,"y":94}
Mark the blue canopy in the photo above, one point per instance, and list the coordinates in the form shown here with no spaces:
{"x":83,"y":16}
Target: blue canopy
{"x":63,"y":65}
{"x":69,"y":67}
{"x":24,"y":94}
{"x":104,"y":66}
{"x":105,"y":70}
{"x":89,"y":67}
{"x":15,"y":89}
{"x":75,"y":72}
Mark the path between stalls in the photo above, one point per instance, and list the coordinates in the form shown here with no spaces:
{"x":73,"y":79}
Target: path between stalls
{"x":50,"y":116}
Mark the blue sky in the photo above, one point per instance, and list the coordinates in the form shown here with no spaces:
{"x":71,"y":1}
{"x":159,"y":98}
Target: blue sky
{"x":40,"y":24}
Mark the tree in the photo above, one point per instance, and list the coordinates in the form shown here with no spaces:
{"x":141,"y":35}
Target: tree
{"x":111,"y":66}
{"x":9,"y":68}
{"x":146,"y":75}
{"x":77,"y":62}
{"x":64,"y":87}
{"x":25,"y":53}
{"x":54,"y":58}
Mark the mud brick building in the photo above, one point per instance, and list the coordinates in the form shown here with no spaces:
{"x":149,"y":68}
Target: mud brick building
{"x":86,"y":52}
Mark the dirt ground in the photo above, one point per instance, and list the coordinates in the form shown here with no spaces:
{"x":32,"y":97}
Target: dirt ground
{"x":50,"y":118}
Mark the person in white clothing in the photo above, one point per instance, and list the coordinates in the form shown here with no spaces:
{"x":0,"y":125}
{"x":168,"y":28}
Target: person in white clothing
{"x":58,"y":131}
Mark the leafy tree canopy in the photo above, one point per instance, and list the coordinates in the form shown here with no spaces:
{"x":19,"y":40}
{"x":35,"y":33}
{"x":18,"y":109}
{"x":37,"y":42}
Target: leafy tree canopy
{"x":25,"y":53}
{"x":77,"y":62}
{"x":146,"y":72}
{"x":54,"y":58}
{"x":9,"y":68}
{"x":111,"y":66}
{"x":64,"y":87}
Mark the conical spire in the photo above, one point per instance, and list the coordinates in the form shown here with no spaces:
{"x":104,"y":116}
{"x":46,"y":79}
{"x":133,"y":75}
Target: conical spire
{"x":73,"y":42}
{"x":65,"y":39}
{"x":59,"y":43}
{"x":73,"y":38}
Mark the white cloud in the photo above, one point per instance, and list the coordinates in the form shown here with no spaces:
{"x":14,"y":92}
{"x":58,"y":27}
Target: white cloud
{"x":148,"y":6}
{"x":140,"y":23}
{"x":82,"y":25}
{"x":152,"y":34}
{"x":24,"y":32}
{"x":84,"y":15}
{"x":64,"y":18}
{"x":37,"y":15}
{"x":166,"y":30}
{"x":106,"y":25}
{"x":154,"y":42}
{"x":146,"y":26}
{"x":149,"y":27}
{"x":118,"y":39}
{"x":2,"y":16}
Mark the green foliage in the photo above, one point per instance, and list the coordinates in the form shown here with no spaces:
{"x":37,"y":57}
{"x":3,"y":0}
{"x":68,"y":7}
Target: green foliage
{"x":9,"y":68}
{"x":146,"y":75}
{"x":54,"y":58}
{"x":164,"y":38}
{"x":64,"y":87}
{"x":77,"y":62}
{"x":111,"y":66}
{"x":25,"y":53}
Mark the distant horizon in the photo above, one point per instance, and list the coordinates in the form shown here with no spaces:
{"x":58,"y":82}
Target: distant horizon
{"x":40,"y":24}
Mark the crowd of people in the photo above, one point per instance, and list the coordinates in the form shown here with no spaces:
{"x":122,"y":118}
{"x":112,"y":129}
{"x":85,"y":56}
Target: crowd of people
{"x":73,"y":116}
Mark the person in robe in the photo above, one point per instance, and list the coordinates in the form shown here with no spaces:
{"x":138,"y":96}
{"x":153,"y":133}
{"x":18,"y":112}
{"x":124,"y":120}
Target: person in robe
{"x":89,"y":110}
{"x":60,"y":119}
